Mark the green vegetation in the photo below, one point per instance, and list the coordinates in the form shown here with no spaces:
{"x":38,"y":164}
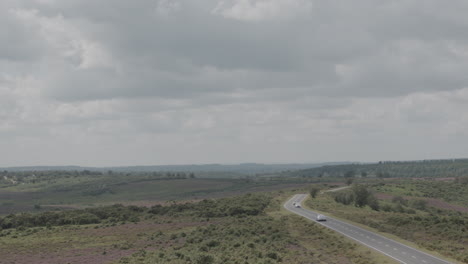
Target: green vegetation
{"x":252,"y":228}
{"x":261,"y":239}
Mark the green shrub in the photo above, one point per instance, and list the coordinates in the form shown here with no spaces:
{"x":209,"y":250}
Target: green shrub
{"x":205,"y":259}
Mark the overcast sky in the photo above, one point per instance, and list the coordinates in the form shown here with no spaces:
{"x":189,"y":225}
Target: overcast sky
{"x":118,"y":82}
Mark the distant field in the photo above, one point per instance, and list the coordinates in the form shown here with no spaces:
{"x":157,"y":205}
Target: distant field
{"x":64,"y":190}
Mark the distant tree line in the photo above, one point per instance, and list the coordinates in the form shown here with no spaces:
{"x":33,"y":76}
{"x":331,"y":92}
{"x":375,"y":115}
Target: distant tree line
{"x":33,"y":177}
{"x":387,"y":169}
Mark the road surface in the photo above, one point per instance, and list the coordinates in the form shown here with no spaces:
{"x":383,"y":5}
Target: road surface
{"x":389,"y":247}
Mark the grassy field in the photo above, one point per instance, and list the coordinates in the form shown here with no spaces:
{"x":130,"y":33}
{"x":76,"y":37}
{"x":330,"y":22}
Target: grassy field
{"x":242,"y":229}
{"x":448,"y":190}
{"x":435,"y":229}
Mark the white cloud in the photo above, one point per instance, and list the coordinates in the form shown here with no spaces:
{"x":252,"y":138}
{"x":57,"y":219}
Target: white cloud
{"x":66,"y":41}
{"x":258,"y":10}
{"x":166,"y":7}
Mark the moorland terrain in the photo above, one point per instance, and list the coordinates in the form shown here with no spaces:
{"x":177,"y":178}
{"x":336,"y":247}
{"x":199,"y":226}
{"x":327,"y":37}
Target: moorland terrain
{"x":73,"y":216}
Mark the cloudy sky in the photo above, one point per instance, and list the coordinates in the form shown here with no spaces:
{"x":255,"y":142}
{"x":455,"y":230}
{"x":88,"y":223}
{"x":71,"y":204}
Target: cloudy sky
{"x":118,"y":82}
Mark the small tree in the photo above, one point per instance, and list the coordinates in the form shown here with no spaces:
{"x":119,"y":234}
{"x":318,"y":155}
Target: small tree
{"x":205,"y":259}
{"x":360,"y":195}
{"x":345,"y":198}
{"x":400,"y":200}
{"x":314,"y":191}
{"x":419,"y":204}
{"x":373,"y":202}
{"x":349,"y":174}
{"x":462,"y":180}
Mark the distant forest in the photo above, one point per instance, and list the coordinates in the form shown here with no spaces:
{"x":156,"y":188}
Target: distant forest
{"x":383,"y":169}
{"x":390,"y":169}
{"x":37,"y":177}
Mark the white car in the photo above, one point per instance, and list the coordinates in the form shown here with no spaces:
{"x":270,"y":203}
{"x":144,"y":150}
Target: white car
{"x":321,"y":218}
{"x":297,"y":205}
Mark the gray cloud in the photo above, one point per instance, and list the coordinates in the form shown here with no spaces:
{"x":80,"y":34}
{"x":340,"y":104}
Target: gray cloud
{"x":19,"y":42}
{"x":316,"y":79}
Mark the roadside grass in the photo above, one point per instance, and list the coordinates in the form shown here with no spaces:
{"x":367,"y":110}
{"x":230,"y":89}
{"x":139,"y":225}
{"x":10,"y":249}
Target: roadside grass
{"x":316,"y":237}
{"x":411,"y":229}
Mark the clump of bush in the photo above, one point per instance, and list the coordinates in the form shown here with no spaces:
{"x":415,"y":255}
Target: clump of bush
{"x":250,"y":204}
{"x":114,"y":213}
{"x":359,"y":195}
{"x":401,"y":205}
{"x":314,"y":191}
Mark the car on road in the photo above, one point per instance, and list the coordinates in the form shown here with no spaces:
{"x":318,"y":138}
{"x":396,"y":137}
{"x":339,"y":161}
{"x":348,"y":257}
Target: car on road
{"x":321,"y":218}
{"x":297,"y":205}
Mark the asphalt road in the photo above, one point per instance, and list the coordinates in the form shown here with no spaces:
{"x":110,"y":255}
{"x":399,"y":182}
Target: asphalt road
{"x":389,"y":247}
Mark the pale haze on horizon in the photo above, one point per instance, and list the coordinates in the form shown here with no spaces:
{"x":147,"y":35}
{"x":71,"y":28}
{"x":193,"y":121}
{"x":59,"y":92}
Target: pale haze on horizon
{"x":118,"y":82}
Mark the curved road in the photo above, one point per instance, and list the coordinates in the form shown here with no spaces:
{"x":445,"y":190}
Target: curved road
{"x":389,"y":247}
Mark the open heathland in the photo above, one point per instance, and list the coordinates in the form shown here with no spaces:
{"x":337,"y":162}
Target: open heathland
{"x":252,"y":228}
{"x":181,"y":217}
